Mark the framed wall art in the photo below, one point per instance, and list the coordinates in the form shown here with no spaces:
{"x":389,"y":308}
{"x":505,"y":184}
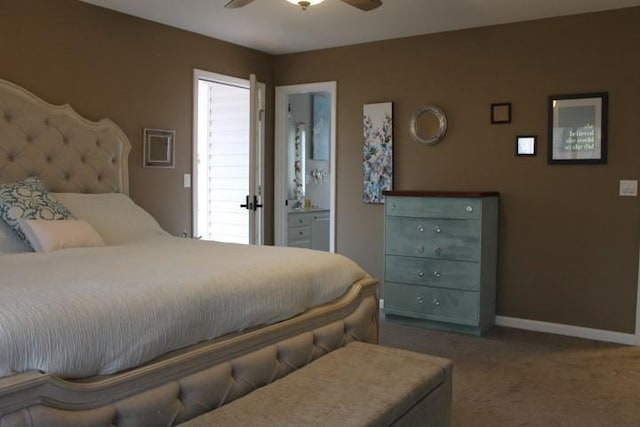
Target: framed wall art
{"x":526,"y":145}
{"x":377,"y":151}
{"x":501,"y":113}
{"x":578,"y":128}
{"x":159,"y":148}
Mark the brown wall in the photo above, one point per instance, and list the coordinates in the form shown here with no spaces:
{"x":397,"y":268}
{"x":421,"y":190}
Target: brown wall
{"x":568,"y":242}
{"x":138,"y":73}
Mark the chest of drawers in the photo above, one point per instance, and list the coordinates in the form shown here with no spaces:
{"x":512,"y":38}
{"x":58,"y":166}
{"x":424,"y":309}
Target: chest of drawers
{"x":441,"y":259}
{"x":308,"y":229}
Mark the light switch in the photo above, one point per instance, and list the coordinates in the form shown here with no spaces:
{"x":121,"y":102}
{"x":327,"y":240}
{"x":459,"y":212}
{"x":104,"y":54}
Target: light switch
{"x":629,"y":187}
{"x":187,"y":180}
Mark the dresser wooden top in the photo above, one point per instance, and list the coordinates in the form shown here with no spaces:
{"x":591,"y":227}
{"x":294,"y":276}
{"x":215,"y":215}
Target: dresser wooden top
{"x":419,"y":193}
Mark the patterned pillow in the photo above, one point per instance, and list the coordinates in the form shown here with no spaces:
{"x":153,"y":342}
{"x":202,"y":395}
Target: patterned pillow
{"x":29,"y":199}
{"x":10,"y":243}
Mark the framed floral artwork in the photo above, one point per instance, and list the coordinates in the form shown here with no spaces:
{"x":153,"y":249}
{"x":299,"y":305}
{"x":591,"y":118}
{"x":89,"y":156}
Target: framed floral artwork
{"x":377,"y":152}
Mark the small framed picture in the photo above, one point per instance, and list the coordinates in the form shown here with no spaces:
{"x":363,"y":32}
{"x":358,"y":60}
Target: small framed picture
{"x":159,"y":148}
{"x":526,"y":145}
{"x":578,"y":128}
{"x":501,"y":113}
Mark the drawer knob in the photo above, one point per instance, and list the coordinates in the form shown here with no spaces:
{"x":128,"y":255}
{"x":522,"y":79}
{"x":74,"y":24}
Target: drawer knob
{"x":393,"y":206}
{"x":300,"y":233}
{"x":469,"y":209}
{"x":437,"y":229}
{"x":436,"y":302}
{"x":420,"y":249}
{"x":300,"y":221}
{"x":420,"y":300}
{"x":438,"y":250}
{"x":421,"y":228}
{"x":436,"y":274}
{"x":421,"y":273}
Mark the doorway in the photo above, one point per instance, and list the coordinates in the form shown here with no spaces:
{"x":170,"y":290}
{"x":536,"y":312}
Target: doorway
{"x":305,"y":160}
{"x":228,"y":158}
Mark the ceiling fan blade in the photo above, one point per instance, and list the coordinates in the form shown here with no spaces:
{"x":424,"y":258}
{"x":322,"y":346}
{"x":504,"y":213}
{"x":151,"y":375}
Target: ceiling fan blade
{"x":234,"y":4}
{"x":364,"y":4}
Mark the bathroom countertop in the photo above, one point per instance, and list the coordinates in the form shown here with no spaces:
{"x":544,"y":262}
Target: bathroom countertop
{"x":302,"y":210}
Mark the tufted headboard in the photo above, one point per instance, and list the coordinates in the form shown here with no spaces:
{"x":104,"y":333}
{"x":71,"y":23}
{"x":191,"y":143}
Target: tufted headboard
{"x":69,"y":153}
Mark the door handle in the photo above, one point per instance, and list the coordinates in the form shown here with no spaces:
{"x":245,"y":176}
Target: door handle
{"x":251,"y":205}
{"x":255,"y":203}
{"x":246,"y":204}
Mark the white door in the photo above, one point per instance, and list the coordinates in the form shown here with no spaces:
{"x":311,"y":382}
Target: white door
{"x":228,"y":158}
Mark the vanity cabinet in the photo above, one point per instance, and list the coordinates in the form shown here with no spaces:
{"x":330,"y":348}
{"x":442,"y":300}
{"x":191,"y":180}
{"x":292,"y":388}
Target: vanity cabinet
{"x":308,"y":229}
{"x":441,"y":259}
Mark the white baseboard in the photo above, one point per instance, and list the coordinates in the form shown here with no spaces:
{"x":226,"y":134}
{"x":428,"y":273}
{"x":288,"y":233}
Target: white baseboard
{"x":572,"y":331}
{"x":560,"y":329}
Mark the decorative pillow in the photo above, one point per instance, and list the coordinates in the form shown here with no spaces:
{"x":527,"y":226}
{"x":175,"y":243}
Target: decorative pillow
{"x":29,"y":199}
{"x":10,"y":243}
{"x":113,"y":215}
{"x":47,"y":236}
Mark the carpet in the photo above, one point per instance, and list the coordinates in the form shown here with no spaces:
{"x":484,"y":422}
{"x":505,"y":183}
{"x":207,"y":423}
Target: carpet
{"x":512,"y":377}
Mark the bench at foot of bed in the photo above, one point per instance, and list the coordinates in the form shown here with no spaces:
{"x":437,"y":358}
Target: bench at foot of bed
{"x":358,"y":385}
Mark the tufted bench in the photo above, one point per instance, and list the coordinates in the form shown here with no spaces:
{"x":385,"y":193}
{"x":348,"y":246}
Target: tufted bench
{"x":358,"y":385}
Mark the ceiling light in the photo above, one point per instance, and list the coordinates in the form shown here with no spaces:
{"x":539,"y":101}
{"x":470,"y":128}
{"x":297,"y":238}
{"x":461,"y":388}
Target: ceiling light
{"x":304,"y":4}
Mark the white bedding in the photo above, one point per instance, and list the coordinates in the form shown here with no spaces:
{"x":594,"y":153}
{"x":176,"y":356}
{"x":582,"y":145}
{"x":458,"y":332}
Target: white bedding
{"x":89,"y":311}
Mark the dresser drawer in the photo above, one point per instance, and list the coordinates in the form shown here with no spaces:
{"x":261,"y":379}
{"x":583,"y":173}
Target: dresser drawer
{"x":299,"y":233}
{"x":430,"y":272}
{"x":298,"y":219}
{"x":438,"y":304}
{"x":433,"y":207}
{"x":433,"y":238}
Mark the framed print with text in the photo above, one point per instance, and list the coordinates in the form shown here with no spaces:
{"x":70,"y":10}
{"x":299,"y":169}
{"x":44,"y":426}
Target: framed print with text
{"x":578,"y":128}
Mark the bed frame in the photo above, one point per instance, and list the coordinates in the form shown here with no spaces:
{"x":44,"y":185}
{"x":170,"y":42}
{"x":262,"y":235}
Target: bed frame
{"x":72,"y":154}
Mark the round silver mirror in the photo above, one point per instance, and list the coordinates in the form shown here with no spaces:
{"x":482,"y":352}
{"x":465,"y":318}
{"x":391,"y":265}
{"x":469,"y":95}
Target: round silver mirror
{"x":428,"y":125}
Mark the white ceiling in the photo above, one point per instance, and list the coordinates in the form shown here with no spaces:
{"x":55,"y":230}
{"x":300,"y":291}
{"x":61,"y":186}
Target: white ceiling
{"x":278,"y":27}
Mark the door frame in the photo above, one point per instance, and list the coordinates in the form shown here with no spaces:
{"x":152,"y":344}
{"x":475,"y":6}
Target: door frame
{"x":637,"y":331}
{"x":257,"y":128}
{"x":280,"y":143}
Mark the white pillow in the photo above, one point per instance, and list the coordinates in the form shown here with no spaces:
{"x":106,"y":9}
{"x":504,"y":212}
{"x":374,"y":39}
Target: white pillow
{"x":52,"y":235}
{"x":10,"y":242}
{"x":114,"y":216}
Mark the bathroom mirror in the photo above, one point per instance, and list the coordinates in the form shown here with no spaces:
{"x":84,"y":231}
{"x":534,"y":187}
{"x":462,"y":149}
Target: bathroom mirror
{"x":428,"y":125}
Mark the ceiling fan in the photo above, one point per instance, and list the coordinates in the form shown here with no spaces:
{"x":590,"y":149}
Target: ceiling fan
{"x":304,"y":4}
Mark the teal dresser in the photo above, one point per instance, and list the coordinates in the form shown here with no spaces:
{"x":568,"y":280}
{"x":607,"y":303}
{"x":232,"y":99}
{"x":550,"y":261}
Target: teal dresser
{"x":440,"y":259}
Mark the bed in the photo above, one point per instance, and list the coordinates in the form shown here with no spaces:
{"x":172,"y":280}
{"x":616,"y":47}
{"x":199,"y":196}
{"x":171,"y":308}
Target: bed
{"x":127,"y":330}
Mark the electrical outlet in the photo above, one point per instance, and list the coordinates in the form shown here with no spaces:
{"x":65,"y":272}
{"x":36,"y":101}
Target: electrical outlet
{"x":187,"y":180}
{"x":629,"y":187}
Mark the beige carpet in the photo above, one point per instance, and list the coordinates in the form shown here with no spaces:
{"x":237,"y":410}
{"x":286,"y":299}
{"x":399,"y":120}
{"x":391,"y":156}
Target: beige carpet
{"x":511,"y":377}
